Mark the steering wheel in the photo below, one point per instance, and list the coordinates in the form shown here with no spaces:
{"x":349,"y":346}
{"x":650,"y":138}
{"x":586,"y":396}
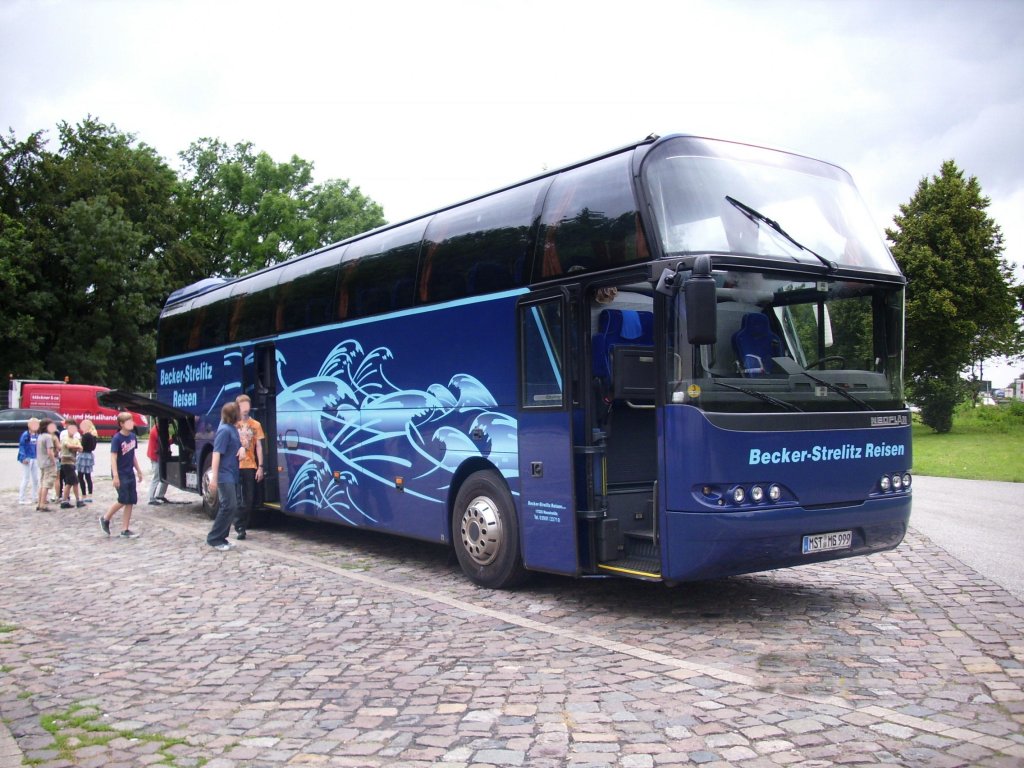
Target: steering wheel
{"x":829,"y":359}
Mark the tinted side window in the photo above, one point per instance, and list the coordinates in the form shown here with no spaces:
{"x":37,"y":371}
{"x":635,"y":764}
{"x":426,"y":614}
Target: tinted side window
{"x":480,"y":247}
{"x":174,"y":331}
{"x":305,"y":292}
{"x":378,"y":273}
{"x":210,"y":314}
{"x":590,"y":221}
{"x":253,"y":307}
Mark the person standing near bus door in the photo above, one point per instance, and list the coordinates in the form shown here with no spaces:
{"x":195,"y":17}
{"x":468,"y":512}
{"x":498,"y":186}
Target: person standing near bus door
{"x":122,"y":463}
{"x":86,"y":460}
{"x":27,"y":459}
{"x":157,"y":487}
{"x":250,"y":468}
{"x":227,"y":451}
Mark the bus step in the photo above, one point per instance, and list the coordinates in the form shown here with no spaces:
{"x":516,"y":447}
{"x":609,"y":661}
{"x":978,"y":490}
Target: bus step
{"x":639,"y":567}
{"x":641,"y":544}
{"x":643,"y":535}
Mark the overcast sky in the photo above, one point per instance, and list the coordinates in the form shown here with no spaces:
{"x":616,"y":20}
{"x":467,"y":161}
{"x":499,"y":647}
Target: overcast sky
{"x":421,"y":104}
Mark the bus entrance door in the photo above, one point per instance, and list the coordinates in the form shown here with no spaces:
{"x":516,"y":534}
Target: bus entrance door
{"x":626,"y":442}
{"x":547,"y":499}
{"x":264,"y":406}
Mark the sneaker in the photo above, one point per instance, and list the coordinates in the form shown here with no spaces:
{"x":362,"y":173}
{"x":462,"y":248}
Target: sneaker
{"x":155,"y":503}
{"x":65,"y":505}
{"x":164,"y":499}
{"x":42,"y":509}
{"x":223,"y":546}
{"x":127,"y":534}
{"x":240,"y":536}
{"x":88,"y":500}
{"x":105,"y":525}
{"x":80,"y":504}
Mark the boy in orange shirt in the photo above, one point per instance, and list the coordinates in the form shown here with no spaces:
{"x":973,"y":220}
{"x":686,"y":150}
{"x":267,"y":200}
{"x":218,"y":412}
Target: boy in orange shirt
{"x":250,"y":468}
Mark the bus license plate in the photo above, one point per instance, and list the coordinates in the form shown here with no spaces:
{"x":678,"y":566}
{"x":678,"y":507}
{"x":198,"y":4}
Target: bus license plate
{"x":825,"y":542}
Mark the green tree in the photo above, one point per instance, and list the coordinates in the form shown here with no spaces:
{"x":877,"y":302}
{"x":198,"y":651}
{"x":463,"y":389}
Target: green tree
{"x":961,"y":301}
{"x":84,"y":232}
{"x":18,"y":326}
{"x":95,"y":234}
{"x":245,"y":211}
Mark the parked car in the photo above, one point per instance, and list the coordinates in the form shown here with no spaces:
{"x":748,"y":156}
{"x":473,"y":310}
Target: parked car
{"x":13,"y":422}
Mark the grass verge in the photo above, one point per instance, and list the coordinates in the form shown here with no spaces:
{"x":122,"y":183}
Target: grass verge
{"x":986,"y":443}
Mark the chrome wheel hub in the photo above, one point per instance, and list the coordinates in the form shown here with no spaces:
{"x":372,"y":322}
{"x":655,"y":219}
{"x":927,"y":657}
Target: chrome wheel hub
{"x":480,"y":529}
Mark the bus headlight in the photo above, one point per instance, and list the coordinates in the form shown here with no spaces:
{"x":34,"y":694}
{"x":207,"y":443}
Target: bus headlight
{"x":885,"y":483}
{"x":897,"y":482}
{"x":738,"y":494}
{"x":906,"y":480}
{"x":757,"y":494}
{"x":774,"y":492}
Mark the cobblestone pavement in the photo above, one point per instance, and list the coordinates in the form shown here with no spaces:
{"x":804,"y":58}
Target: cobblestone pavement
{"x":316,"y":645}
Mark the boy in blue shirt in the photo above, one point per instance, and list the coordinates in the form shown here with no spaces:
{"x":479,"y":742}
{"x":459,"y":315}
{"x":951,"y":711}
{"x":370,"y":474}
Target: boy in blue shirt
{"x":27,"y":459}
{"x":224,"y":477}
{"x":122,"y":461}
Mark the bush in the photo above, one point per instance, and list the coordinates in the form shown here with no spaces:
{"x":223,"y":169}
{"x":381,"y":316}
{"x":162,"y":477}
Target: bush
{"x":938,"y":399}
{"x":1005,"y":417}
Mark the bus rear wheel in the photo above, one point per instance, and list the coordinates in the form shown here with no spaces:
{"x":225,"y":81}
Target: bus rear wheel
{"x":486,"y":532}
{"x":209,"y":499}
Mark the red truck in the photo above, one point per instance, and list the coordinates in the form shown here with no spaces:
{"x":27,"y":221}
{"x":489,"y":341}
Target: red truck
{"x":72,"y":401}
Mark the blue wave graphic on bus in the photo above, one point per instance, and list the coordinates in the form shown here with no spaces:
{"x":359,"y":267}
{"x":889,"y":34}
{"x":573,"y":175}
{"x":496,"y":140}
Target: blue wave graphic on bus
{"x":368,"y":432}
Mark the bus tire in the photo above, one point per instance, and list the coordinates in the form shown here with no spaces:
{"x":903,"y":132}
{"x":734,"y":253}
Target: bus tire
{"x":485,"y":532}
{"x":209,"y":500}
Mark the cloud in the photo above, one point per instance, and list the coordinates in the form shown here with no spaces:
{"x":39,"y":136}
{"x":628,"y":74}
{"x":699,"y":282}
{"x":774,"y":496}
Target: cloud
{"x":423,"y":104}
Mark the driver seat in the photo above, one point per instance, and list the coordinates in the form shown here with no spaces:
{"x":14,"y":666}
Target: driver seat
{"x":755,"y":345}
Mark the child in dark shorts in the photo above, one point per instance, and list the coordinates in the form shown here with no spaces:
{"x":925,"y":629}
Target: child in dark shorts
{"x":70,"y":447}
{"x":122,"y":463}
{"x":86,"y":460}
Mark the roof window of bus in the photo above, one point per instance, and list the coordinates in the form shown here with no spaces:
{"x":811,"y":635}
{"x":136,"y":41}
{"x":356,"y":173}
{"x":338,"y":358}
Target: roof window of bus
{"x":252,"y":307}
{"x":305,"y":291}
{"x":479,"y":247}
{"x":590,"y":221}
{"x":379,"y":272}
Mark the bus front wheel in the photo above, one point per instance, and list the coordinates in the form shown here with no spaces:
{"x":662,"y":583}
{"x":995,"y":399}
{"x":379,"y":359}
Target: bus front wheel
{"x":209,"y":499}
{"x":486,"y":532}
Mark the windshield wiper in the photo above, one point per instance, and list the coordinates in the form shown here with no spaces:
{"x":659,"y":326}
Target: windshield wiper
{"x":756,"y":216}
{"x":838,"y":390}
{"x":758,"y":395}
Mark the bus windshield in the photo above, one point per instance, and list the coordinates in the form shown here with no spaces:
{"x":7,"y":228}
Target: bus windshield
{"x":705,"y":196}
{"x":793,"y":343}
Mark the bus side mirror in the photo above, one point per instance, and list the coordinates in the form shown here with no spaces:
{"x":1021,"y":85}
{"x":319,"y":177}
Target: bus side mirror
{"x":699,"y":293}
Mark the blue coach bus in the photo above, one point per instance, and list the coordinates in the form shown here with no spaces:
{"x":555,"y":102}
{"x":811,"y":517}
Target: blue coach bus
{"x":679,"y":360}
